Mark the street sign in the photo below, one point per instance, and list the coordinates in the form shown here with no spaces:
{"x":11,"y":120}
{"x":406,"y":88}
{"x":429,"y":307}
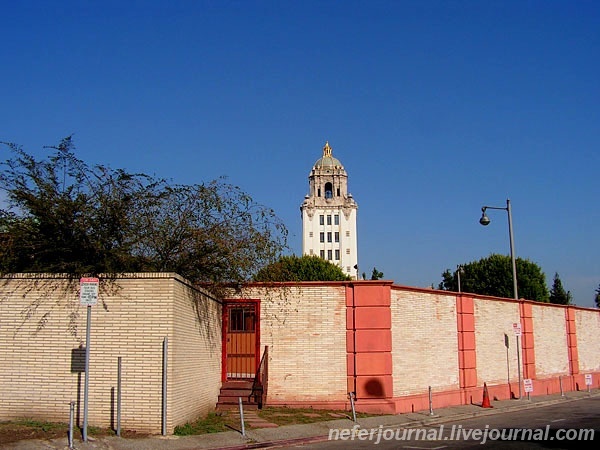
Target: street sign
{"x":528,"y":385}
{"x":517,"y":329}
{"x":588,"y":379}
{"x":88,"y":293}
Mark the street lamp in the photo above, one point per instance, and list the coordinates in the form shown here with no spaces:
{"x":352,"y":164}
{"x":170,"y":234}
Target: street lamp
{"x":459,"y":270}
{"x":485,"y":220}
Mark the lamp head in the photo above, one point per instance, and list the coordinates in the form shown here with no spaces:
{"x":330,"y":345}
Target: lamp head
{"x":485,"y":220}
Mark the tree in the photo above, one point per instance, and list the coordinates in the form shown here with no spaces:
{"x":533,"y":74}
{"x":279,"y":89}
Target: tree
{"x":65,"y":216}
{"x":376,"y":275}
{"x":493,"y":276}
{"x":304,"y":268}
{"x":558,"y":295}
{"x":597,"y":298}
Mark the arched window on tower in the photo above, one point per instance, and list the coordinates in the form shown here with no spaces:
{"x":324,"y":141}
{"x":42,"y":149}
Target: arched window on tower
{"x":328,"y":190}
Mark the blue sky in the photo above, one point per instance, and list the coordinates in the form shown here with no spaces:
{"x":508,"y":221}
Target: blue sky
{"x":435,"y":108}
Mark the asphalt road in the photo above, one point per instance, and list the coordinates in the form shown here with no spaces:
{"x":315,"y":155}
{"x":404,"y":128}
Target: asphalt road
{"x":567,"y":425}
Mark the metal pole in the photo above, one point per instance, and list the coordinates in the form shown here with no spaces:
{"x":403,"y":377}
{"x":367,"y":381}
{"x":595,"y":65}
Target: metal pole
{"x":507,"y":345}
{"x":87,"y":373}
{"x":458,"y":273}
{"x":430,"y":402}
{"x":562,"y":393}
{"x":242,"y":416}
{"x":512,"y":250}
{"x":119,"y":396}
{"x":351,"y":394}
{"x":519,"y":366}
{"x":71,"y":414}
{"x":164,"y":386}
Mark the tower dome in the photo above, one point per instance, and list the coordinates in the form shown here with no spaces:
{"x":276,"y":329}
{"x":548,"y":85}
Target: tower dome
{"x":327,"y":161}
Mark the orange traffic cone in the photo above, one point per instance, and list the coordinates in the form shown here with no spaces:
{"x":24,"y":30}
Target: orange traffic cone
{"x":486,"y":398}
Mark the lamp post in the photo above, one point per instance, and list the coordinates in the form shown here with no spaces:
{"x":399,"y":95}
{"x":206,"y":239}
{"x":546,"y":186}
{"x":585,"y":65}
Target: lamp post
{"x":485,"y":220}
{"x":459,"y":270}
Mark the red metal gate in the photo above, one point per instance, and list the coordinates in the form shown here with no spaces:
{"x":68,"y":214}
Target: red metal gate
{"x":241,"y":343}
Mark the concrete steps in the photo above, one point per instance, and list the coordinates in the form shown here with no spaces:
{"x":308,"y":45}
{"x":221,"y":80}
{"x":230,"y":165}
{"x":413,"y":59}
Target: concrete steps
{"x":231,"y":391}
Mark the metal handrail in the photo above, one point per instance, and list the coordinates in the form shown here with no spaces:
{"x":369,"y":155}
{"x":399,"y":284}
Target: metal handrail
{"x":261,"y":380}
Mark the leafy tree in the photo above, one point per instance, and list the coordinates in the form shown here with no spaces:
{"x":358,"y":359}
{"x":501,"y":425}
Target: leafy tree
{"x":493,"y":276}
{"x":65,"y":216}
{"x":304,"y":268}
{"x":376,"y":275}
{"x":597,"y":298}
{"x":558,"y":295}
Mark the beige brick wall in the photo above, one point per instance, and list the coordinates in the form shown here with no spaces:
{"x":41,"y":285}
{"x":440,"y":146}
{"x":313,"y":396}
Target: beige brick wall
{"x":305,"y":329}
{"x":550,"y":341}
{"x":493,"y":320}
{"x":424,"y":342}
{"x":195,"y":355}
{"x":587,"y":324}
{"x":41,"y":322}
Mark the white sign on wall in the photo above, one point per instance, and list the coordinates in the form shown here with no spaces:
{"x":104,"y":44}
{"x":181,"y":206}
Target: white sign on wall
{"x":588,"y":379}
{"x":88,"y":292}
{"x":517,"y":328}
{"x":528,"y":385}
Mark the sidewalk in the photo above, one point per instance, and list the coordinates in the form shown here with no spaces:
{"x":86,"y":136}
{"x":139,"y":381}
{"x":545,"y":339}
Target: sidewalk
{"x":304,"y":433}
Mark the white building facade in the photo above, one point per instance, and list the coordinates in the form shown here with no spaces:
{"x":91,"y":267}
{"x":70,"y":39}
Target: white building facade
{"x":329,"y":215}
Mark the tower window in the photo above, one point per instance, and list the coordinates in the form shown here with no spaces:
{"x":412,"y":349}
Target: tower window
{"x":337,"y":236}
{"x":329,"y":255}
{"x":321,"y":220}
{"x":336,"y":220}
{"x":310,"y":234}
{"x":328,"y":220}
{"x":338,"y":192}
{"x":328,"y":190}
{"x":347,"y":251}
{"x":329,"y":236}
{"x":321,"y":237}
{"x":319,"y":192}
{"x":347,"y":233}
{"x":337,"y":255}
{"x":322,"y":254}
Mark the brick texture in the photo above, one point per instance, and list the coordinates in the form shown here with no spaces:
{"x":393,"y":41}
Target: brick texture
{"x":43,"y":324}
{"x":305,"y":329}
{"x":493,"y":321}
{"x":588,"y":339}
{"x":424,"y":342}
{"x":392,"y":343}
{"x":550,"y":338}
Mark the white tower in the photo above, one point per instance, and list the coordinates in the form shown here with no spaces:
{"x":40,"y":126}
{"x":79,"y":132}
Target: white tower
{"x":329,"y":215}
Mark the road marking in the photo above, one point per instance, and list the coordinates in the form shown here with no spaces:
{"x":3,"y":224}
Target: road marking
{"x":558,"y":420}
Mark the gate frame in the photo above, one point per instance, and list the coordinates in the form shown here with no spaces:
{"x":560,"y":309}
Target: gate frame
{"x":227,"y":303}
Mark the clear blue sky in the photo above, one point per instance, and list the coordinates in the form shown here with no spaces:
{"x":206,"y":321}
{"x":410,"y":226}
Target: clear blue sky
{"x":435,"y":108}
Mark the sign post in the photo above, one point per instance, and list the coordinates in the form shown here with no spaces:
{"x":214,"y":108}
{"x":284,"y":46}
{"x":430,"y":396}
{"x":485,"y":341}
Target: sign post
{"x":517,"y":330}
{"x":88,"y":296}
{"x":588,"y":381}
{"x":528,"y":386}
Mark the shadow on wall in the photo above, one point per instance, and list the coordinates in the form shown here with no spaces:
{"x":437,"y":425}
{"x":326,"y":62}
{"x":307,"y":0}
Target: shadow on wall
{"x":211,"y":334}
{"x":374,"y":388}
